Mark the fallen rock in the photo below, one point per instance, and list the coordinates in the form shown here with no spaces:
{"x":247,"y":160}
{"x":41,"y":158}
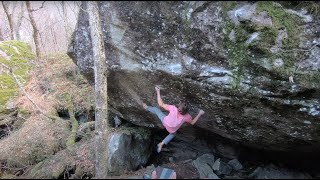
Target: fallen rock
{"x":273,"y":172}
{"x":235,"y":164}
{"x":216,"y":165}
{"x":213,"y":176}
{"x":79,"y":159}
{"x":207,"y":158}
{"x":246,"y":12}
{"x":129,"y":148}
{"x":303,"y":14}
{"x":39,"y":138}
{"x":232,"y":36}
{"x":204,"y":164}
{"x":221,"y":168}
{"x":281,"y":36}
{"x":313,"y":62}
{"x":10,"y":106}
{"x":254,"y":36}
{"x":262,"y":20}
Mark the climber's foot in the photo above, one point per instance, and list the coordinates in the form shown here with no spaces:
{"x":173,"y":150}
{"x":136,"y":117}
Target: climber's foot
{"x":159,"y":147}
{"x":144,"y":106}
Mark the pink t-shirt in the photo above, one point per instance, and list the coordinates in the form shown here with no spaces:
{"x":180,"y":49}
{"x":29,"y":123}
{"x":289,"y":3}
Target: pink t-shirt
{"x":174,"y":120}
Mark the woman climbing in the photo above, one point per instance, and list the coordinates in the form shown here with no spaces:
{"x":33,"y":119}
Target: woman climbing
{"x":174,"y":120}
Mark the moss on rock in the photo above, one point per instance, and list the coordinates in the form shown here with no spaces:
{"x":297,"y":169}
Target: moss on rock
{"x":237,"y":51}
{"x":281,"y":20}
{"x":240,"y":55}
{"x":137,"y":131}
{"x":19,"y":54}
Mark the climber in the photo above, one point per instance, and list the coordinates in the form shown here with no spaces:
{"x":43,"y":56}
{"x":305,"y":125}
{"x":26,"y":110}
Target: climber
{"x":174,"y":120}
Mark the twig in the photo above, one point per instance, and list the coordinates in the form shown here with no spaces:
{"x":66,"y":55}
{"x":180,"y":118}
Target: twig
{"x":85,"y":126}
{"x":11,"y":168}
{"x":7,"y":121}
{"x":186,"y":161}
{"x":25,"y":93}
{"x":39,"y":7}
{"x":9,"y":128}
{"x":305,"y":50}
{"x":19,"y":116}
{"x":20,"y":86}
{"x":11,"y":114}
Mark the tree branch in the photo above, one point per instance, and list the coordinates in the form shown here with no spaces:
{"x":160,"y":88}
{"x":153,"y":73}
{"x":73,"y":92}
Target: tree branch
{"x":25,"y":93}
{"x":9,"y":17}
{"x":305,"y":50}
{"x":83,"y":127}
{"x":21,"y":88}
{"x":11,"y":114}
{"x":39,"y":7}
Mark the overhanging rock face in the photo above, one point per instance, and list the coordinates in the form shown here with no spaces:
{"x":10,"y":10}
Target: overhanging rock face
{"x":181,"y":45}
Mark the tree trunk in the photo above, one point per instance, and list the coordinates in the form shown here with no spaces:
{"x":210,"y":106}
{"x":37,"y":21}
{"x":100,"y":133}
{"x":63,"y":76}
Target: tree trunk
{"x":65,"y":20}
{"x":74,"y":123}
{"x":19,"y":21}
{"x":35,"y":29}
{"x":10,"y":20}
{"x":101,"y":96}
{"x":1,"y":35}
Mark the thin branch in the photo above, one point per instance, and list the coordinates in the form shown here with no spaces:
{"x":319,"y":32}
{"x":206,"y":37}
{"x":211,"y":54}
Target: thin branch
{"x":12,"y":168}
{"x":305,"y":50}
{"x":25,"y":93}
{"x":9,"y":17}
{"x":85,"y":126}
{"x":26,"y":18}
{"x":21,"y":88}
{"x":39,"y":7}
{"x":11,"y":114}
{"x":9,"y":128}
{"x":13,"y":8}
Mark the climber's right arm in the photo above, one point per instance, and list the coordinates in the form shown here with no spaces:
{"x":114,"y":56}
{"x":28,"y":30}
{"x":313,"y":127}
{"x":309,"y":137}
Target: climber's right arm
{"x":160,"y":102}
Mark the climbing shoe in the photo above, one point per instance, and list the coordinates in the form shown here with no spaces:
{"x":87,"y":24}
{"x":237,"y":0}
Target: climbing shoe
{"x":158,"y":148}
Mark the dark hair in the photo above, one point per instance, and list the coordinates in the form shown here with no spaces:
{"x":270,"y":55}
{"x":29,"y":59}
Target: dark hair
{"x":183,"y":107}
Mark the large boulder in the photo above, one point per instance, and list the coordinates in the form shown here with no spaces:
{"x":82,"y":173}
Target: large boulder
{"x":129,"y":149}
{"x":37,"y":139}
{"x":71,"y":163}
{"x":184,"y":46}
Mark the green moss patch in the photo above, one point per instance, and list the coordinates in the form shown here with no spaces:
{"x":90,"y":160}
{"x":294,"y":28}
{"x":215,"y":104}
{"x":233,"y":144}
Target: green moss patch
{"x":281,"y":20}
{"x":20,"y":55}
{"x":238,"y":53}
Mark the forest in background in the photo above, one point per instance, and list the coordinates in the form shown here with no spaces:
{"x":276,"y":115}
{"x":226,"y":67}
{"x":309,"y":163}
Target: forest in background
{"x":52,"y":22}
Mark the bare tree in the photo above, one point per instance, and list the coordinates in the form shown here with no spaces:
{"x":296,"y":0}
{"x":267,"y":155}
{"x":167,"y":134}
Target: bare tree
{"x":9,"y":17}
{"x":65,"y":19}
{"x":19,"y":21}
{"x":101,"y":95}
{"x":1,"y":35}
{"x":36,"y":36}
